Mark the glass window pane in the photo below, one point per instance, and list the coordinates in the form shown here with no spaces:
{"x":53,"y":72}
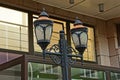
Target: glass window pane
{"x":5,"y":57}
{"x":3,"y":44}
{"x":57,"y":27}
{"x":24,"y":30}
{"x":115,"y":76}
{"x":17,"y":17}
{"x":2,"y":34}
{"x":11,"y":35}
{"x":12,"y":42}
{"x":24,"y":37}
{"x":13,"y":73}
{"x":87,"y":74}
{"x":24,"y":46}
{"x":13,"y":29}
{"x":37,"y":71}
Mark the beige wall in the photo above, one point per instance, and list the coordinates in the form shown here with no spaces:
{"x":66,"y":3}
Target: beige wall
{"x":102,"y":44}
{"x":112,"y":41}
{"x":103,"y":36}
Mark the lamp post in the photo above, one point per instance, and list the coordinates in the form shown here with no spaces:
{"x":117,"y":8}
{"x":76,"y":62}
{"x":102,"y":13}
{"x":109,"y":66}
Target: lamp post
{"x":43,"y":31}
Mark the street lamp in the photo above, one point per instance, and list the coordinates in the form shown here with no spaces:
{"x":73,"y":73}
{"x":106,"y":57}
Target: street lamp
{"x":43,"y":27}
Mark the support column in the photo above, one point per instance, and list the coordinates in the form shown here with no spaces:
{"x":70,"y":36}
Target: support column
{"x":30,"y":33}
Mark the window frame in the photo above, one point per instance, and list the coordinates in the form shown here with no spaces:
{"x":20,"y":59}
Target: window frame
{"x":118,"y":34}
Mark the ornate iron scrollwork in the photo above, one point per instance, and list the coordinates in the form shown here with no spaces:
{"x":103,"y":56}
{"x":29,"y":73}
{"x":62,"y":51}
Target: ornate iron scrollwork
{"x":57,"y":58}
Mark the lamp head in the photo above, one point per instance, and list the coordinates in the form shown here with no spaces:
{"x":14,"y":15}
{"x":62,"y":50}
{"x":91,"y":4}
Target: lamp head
{"x":79,"y":36}
{"x":43,"y":27}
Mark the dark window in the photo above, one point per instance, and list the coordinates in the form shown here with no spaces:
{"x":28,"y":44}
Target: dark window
{"x":118,"y":34}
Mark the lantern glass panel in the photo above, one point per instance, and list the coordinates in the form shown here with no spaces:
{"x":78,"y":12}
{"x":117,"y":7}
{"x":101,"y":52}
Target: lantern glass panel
{"x":83,"y":38}
{"x":48,"y":32}
{"x":75,"y":39}
{"x":39,"y":33}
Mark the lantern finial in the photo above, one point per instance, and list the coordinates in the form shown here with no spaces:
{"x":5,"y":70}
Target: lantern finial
{"x":77,"y":21}
{"x":43,"y":13}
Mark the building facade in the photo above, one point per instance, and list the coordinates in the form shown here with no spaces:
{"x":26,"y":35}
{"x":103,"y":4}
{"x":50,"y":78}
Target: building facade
{"x":20,"y":56}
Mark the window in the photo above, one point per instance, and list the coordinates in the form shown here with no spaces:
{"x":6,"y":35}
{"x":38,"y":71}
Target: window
{"x":89,"y":54}
{"x":12,"y":73}
{"x":87,"y":74}
{"x":37,"y":71}
{"x":118,"y":34}
{"x":13,"y":29}
{"x":115,"y":76}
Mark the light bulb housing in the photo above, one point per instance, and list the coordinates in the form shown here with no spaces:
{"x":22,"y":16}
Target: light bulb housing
{"x":43,"y":28}
{"x":79,"y":36}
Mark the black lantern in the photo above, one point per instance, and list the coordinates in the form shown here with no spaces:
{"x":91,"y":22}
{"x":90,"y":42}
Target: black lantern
{"x":43,"y":30}
{"x":79,"y":36}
